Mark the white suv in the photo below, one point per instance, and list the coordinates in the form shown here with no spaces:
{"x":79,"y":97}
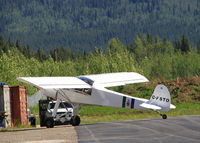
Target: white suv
{"x":64,"y":112}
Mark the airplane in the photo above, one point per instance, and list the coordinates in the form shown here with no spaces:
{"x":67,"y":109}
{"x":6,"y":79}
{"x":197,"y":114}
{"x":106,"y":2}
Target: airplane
{"x":92,"y":90}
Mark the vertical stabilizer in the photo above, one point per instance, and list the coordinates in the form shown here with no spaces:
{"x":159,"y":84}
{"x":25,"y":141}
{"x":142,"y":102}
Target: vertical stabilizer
{"x":161,"y":97}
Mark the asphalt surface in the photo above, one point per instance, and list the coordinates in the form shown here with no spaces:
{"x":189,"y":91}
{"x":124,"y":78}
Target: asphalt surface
{"x":185,"y":129}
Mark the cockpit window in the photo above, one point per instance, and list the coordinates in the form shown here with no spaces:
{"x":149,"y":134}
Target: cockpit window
{"x":85,"y":79}
{"x":87,"y":91}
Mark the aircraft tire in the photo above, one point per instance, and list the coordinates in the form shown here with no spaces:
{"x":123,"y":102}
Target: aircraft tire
{"x":49,"y":123}
{"x":75,"y":121}
{"x":164,"y":116}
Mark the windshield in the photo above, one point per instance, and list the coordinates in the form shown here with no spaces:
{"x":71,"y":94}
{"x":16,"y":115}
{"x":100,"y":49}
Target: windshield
{"x":87,"y":80}
{"x":62,"y":105}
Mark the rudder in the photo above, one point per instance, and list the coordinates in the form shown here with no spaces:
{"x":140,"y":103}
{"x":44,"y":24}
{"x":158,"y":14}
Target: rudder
{"x":161,"y":97}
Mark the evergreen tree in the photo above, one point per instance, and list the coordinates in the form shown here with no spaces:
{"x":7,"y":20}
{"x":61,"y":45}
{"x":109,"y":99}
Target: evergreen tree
{"x":83,"y":25}
{"x":61,"y":54}
{"x":198,"y":47}
{"x":27,"y":52}
{"x":183,"y":44}
{"x":1,"y":40}
{"x":40,"y":55}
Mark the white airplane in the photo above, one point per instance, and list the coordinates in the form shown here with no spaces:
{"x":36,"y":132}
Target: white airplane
{"x":91,"y":90}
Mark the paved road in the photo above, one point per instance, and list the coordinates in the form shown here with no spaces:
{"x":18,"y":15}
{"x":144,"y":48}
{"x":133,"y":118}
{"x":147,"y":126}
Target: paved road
{"x":59,"y":134}
{"x":185,"y":129}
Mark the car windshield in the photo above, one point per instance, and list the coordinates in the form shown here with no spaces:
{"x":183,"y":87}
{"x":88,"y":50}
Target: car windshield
{"x":62,"y":105}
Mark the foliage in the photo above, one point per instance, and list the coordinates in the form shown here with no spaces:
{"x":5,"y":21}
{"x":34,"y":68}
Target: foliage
{"x":86,"y":24}
{"x":14,"y":64}
{"x":154,"y":57}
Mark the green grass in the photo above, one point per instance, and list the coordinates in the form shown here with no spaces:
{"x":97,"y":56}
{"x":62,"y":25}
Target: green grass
{"x":94,"y":114}
{"x":197,"y":88}
{"x":17,"y":127}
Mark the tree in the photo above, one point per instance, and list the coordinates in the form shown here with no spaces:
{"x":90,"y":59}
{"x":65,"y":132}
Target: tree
{"x":61,"y":54}
{"x":198,"y":47}
{"x":183,"y":44}
{"x":27,"y":52}
{"x":1,"y":40}
{"x":138,"y":48}
{"x":40,"y":55}
{"x":115,"y":45}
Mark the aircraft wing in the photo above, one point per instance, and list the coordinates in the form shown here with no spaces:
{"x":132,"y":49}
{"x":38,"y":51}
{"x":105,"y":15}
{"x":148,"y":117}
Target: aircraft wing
{"x":85,"y":81}
{"x":55,"y":82}
{"x":116,"y":79}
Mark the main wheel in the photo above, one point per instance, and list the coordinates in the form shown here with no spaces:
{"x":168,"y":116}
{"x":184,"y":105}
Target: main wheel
{"x":164,"y":116}
{"x":50,"y":123}
{"x":75,"y":121}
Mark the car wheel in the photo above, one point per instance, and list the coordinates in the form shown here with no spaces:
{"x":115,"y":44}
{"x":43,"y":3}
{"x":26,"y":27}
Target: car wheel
{"x":75,"y":121}
{"x":50,"y":123}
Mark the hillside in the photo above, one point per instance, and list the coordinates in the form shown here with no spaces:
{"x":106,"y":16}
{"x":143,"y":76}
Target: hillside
{"x":85,"y":24}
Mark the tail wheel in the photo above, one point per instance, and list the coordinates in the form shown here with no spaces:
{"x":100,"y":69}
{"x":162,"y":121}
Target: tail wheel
{"x":75,"y":121}
{"x":50,"y":123}
{"x":164,"y":116}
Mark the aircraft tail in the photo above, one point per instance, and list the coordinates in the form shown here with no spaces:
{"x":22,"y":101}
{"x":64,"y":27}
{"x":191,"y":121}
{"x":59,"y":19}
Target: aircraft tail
{"x":161,"y":98}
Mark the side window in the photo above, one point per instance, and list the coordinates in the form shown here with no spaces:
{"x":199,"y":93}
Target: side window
{"x":51,"y":105}
{"x":87,"y":90}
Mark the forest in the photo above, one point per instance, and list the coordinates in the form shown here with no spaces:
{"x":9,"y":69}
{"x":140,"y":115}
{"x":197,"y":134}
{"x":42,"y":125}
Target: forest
{"x":154,"y":57}
{"x":82,"y":25}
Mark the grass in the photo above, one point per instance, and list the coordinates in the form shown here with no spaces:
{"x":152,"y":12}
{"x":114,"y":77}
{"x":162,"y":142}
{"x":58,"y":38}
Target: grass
{"x":197,"y":88}
{"x":17,"y":127}
{"x":94,"y":114}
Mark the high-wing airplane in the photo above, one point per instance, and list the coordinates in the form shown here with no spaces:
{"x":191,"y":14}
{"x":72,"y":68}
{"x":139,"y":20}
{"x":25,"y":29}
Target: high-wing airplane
{"x":91,"y":90}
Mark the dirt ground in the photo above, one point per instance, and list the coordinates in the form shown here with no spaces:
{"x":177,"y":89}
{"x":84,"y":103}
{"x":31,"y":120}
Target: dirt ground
{"x":58,"y":134}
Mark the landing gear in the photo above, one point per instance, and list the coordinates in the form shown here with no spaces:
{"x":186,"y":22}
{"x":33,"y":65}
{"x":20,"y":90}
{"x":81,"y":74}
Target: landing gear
{"x":75,"y":121}
{"x":164,"y":116}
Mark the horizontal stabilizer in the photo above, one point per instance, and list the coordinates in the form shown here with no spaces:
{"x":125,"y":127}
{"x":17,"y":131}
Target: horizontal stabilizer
{"x":55,"y":82}
{"x":150,"y":106}
{"x":172,"y":106}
